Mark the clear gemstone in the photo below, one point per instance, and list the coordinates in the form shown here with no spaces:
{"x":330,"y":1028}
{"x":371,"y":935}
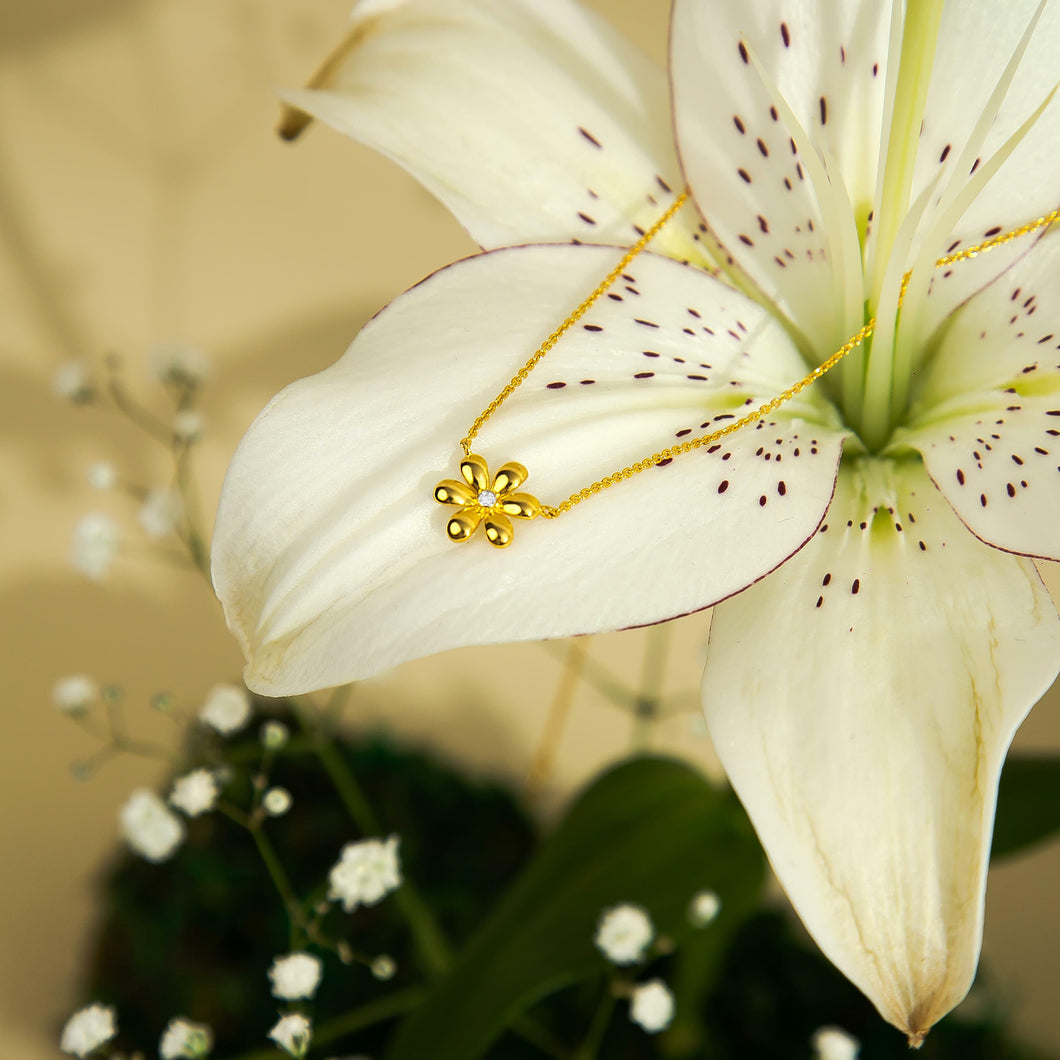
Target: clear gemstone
{"x":487,"y":498}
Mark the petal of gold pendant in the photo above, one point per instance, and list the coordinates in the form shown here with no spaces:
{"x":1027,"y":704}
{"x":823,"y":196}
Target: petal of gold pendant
{"x":520,"y":505}
{"x":499,"y":530}
{"x":464,"y":523}
{"x":449,"y":491}
{"x":476,"y":472}
{"x":509,"y":477}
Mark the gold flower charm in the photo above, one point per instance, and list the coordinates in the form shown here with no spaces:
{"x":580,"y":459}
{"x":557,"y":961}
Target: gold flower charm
{"x":489,"y":503}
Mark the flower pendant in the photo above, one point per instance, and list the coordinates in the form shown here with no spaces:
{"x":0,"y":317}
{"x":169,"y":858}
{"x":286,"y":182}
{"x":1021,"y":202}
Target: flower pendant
{"x":488,"y":502}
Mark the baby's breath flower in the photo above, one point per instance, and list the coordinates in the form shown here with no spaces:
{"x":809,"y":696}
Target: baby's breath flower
{"x":624,"y":933}
{"x":184,"y":1039}
{"x":178,"y":364}
{"x":95,"y":544}
{"x":274,"y":735}
{"x":365,"y":873}
{"x":150,"y":828}
{"x":295,"y":976}
{"x":187,"y":425}
{"x":87,"y":1029}
{"x":277,"y":801}
{"x":160,"y":512}
{"x":71,"y":382}
{"x":101,"y":475}
{"x":292,"y":1033}
{"x":383,"y":967}
{"x":833,"y":1043}
{"x":75,"y":694}
{"x":226,"y":709}
{"x":703,"y":908}
{"x":195,"y":792}
{"x":652,"y":1006}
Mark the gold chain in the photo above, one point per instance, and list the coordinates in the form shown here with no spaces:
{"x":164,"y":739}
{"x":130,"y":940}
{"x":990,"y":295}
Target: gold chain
{"x":519,"y":378}
{"x":492,"y":500}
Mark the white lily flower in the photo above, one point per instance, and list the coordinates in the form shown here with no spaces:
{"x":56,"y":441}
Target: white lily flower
{"x":863,"y":696}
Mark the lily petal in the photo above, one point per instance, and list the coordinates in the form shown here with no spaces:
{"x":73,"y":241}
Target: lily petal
{"x":987,"y":415}
{"x":748,"y":167}
{"x":329,"y":549}
{"x":862,"y":700}
{"x":531,"y":120}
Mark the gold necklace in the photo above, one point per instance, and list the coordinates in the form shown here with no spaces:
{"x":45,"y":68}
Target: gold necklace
{"x":492,"y":501}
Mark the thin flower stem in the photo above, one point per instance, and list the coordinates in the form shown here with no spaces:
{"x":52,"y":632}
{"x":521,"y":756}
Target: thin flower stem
{"x":429,"y":939}
{"x":558,"y":714}
{"x":193,"y":538}
{"x":136,"y":413}
{"x":601,"y":1018}
{"x":656,"y":647}
{"x":599,"y":677}
{"x":366,"y":1015}
{"x":280,"y":881}
{"x":531,"y":1031}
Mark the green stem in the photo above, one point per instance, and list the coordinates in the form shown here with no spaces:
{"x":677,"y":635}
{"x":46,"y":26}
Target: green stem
{"x":601,"y":1018}
{"x":433,"y":948}
{"x":279,"y":880}
{"x":364,"y":1016}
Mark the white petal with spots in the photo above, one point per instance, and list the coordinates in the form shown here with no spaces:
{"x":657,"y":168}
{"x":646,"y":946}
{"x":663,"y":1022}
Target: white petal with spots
{"x":753,"y":173}
{"x":987,"y":415}
{"x":532,"y":120}
{"x":330,"y":554}
{"x":862,"y":700}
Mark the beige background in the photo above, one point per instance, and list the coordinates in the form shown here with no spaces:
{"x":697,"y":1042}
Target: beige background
{"x":143,"y":198}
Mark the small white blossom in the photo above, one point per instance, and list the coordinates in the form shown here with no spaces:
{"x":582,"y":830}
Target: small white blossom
{"x":652,"y":1006}
{"x":195,"y":792}
{"x":75,"y":694}
{"x":95,"y":544}
{"x":833,"y":1043}
{"x":101,"y":475}
{"x":703,"y":908}
{"x":175,"y":362}
{"x":88,"y":1029}
{"x":227,"y":709}
{"x":150,"y":827}
{"x":160,"y":512}
{"x":366,"y":872}
{"x":184,"y":1039}
{"x":71,"y":382}
{"x":383,"y":967}
{"x":624,"y":933}
{"x":292,"y":1033}
{"x":295,"y":976}
{"x":187,"y":425}
{"x":276,"y":801}
{"x":274,"y":735}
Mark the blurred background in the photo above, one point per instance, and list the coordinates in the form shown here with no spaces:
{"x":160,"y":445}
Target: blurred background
{"x":144,"y":198}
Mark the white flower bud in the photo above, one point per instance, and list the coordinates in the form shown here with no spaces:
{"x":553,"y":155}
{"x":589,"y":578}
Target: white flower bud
{"x":95,"y":544}
{"x":624,"y":933}
{"x":652,"y":1006}
{"x":184,"y":1039}
{"x":87,"y":1029}
{"x":150,"y":828}
{"x":274,"y":735}
{"x":833,"y":1043}
{"x":383,"y":967}
{"x":295,"y":976}
{"x":178,"y":364}
{"x":226,"y":709}
{"x":75,"y":694}
{"x":160,"y":512}
{"x":101,"y":475}
{"x":71,"y":383}
{"x":187,"y":425}
{"x":276,"y":801}
{"x":195,"y":792}
{"x":703,"y":908}
{"x":292,"y":1033}
{"x":365,"y":873}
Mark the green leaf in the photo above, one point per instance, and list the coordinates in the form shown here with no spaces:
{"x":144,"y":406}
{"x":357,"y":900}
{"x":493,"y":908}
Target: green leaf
{"x":1028,"y":803}
{"x":651,"y":831}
